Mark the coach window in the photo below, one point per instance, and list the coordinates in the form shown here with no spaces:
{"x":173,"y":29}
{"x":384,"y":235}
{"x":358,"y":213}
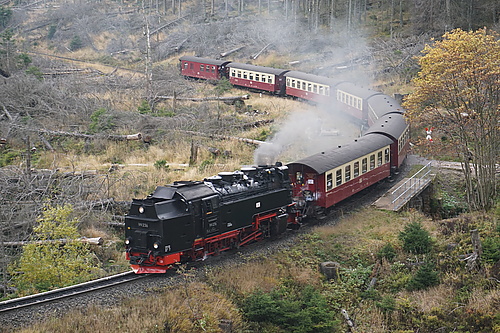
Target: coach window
{"x":364,"y":165}
{"x":239,"y":74}
{"x":245,"y":75}
{"x":347,"y":173}
{"x":269,"y":79}
{"x":321,"y":90}
{"x":186,"y":65}
{"x":263,"y":78}
{"x":338,"y":177}
{"x":303,"y":85}
{"x":315,"y":88}
{"x":202,"y":68}
{"x":356,"y":169}
{"x":257,"y":77}
{"x":191,"y":65}
{"x":372,"y":161}
{"x":250,"y":76}
{"x":293,"y":83}
{"x":309,"y":87}
{"x":213,"y":69}
{"x":387,"y":155}
{"x":329,"y":182}
{"x":379,"y":158}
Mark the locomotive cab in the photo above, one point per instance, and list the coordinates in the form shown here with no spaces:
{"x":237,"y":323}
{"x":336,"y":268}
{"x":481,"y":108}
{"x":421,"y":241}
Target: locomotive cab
{"x":161,"y":226}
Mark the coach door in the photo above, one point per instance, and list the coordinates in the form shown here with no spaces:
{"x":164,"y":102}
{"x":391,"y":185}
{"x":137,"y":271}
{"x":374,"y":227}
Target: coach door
{"x":210,"y":215}
{"x":310,"y":186}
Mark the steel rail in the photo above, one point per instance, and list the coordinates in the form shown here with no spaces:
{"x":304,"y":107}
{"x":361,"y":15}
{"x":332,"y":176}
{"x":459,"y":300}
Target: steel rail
{"x":70,"y":291}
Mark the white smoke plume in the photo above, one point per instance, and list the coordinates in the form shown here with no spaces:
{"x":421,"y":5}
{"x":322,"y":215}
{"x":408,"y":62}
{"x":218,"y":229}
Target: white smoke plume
{"x":306,"y":132}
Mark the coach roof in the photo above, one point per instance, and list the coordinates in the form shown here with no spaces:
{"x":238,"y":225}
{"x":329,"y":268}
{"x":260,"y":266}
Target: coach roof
{"x":392,"y":124}
{"x":312,"y":78}
{"x":260,"y":69}
{"x":204,"y":60}
{"x":335,"y":157}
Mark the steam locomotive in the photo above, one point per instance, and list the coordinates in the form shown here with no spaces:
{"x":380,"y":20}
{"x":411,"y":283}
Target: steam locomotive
{"x":188,"y":221}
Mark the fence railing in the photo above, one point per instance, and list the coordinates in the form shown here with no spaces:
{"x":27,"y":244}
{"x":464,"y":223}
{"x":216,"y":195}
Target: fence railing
{"x":413,"y":185}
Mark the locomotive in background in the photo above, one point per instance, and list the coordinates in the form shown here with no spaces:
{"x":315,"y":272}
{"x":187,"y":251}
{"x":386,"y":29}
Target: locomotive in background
{"x":187,"y":221}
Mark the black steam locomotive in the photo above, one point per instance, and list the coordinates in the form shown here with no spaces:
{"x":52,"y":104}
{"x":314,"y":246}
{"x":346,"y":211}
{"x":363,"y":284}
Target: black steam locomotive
{"x":187,"y":221}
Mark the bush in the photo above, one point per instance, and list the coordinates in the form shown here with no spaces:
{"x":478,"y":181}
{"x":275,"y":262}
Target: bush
{"x":75,"y":44}
{"x":33,"y":70}
{"x":293,"y":311}
{"x":54,"y":264}
{"x":387,"y":252}
{"x":491,"y":249}
{"x":52,"y":31}
{"x":425,"y":277}
{"x":161,"y":164}
{"x":415,"y":239}
{"x":101,"y":121}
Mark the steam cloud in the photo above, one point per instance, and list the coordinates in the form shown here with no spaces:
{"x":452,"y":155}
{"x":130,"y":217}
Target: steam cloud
{"x":306,"y":132}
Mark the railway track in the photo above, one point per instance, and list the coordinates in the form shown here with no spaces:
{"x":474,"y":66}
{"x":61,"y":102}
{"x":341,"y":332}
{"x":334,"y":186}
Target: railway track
{"x":67,"y":292}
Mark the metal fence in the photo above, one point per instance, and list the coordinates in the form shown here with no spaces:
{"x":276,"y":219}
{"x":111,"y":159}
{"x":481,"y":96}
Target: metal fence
{"x":411,"y":187}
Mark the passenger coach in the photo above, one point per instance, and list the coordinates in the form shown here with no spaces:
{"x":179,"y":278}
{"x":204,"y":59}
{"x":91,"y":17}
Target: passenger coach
{"x":310,"y":87}
{"x":257,"y":77}
{"x":331,"y":176}
{"x":203,"y":68}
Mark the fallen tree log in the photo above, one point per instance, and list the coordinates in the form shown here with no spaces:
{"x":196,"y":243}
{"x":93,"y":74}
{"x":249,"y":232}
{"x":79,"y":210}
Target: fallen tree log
{"x":225,"y":54}
{"x":255,"y":56}
{"x":91,"y":241}
{"x":225,"y":137}
{"x":113,"y":137}
{"x":258,"y":123}
{"x":179,"y":46}
{"x":205,"y":99}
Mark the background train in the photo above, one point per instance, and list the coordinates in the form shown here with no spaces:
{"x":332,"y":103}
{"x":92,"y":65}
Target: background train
{"x":187,"y":221}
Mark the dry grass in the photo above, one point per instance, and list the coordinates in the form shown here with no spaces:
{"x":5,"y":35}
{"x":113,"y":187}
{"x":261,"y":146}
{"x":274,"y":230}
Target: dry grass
{"x":194,"y":307}
{"x":438,"y":297}
{"x":367,"y":230}
{"x":484,"y":301}
{"x":244,"y":279}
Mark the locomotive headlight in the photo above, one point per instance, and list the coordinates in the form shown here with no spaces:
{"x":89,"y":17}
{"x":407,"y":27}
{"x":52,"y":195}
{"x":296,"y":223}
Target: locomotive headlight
{"x":141,"y":209}
{"x":156,"y":245}
{"x":127,"y":241}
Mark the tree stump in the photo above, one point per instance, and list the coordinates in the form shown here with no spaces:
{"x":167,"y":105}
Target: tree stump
{"x":330,"y":269}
